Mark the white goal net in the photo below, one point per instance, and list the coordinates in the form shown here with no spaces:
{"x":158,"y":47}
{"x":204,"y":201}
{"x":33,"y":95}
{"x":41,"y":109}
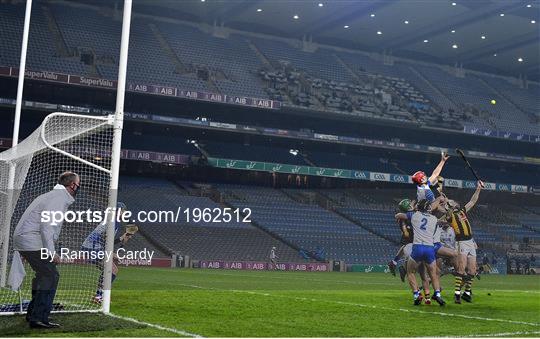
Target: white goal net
{"x":63,"y":142}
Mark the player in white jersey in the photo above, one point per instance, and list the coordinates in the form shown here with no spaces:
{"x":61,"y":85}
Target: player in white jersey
{"x":448,"y":236}
{"x":448,"y":242}
{"x":424,"y":228}
{"x":423,"y":183}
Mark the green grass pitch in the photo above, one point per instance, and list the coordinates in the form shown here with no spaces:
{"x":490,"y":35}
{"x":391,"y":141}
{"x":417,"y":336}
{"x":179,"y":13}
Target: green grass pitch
{"x":225,"y":303}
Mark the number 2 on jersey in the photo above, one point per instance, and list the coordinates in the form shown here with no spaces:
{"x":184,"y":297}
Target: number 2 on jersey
{"x":423,"y":225}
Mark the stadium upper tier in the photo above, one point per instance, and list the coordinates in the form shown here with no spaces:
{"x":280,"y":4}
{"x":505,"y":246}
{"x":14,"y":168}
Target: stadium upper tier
{"x":189,"y":57}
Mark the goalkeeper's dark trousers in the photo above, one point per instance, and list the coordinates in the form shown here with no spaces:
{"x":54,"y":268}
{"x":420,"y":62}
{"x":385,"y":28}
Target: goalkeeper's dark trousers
{"x":43,"y":286}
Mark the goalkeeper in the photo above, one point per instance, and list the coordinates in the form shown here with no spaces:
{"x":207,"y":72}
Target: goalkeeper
{"x":95,"y":243}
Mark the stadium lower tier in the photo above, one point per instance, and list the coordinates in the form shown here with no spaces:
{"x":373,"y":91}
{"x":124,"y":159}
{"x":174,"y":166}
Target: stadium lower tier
{"x":356,"y":226}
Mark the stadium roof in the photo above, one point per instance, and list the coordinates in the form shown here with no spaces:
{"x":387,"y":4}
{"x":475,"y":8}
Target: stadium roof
{"x":485,"y":35}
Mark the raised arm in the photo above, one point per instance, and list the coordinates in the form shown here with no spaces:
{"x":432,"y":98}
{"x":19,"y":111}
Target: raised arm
{"x":475,"y":196}
{"x":401,"y":216}
{"x":437,"y":171}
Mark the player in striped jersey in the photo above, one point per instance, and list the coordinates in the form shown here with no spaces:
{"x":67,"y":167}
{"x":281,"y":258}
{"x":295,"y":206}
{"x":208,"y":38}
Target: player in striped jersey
{"x":405,"y":227}
{"x":466,"y":246}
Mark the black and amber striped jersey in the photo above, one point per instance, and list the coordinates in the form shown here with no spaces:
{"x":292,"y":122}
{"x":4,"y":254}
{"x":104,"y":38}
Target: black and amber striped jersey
{"x":406,"y":231}
{"x":460,"y":223}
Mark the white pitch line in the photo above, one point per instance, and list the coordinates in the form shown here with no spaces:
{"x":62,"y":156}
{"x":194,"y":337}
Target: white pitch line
{"x":352,"y":282}
{"x":510,"y":291}
{"x":507,"y":334}
{"x":444,"y":314}
{"x":159,"y":327}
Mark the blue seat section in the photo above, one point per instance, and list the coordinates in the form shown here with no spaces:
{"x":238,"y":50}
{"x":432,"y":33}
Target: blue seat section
{"x":41,"y":54}
{"x":201,"y":240}
{"x":527,"y":99}
{"x":381,"y":222}
{"x":469,"y":90}
{"x":165,"y":196}
{"x":319,"y":64}
{"x":309,"y":226}
{"x":231,"y":61}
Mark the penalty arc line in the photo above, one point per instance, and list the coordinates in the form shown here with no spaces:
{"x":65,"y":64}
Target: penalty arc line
{"x":444,"y":314}
{"x":159,"y":327}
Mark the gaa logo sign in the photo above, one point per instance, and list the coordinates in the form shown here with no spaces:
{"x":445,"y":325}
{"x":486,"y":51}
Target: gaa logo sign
{"x":503,"y":187}
{"x":360,"y":175}
{"x":519,"y":188}
{"x":379,"y":176}
{"x":452,"y":182}
{"x":398,"y":178}
{"x":470,"y":184}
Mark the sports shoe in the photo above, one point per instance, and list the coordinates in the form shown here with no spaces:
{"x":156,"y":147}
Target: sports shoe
{"x":39,"y":325}
{"x":467,"y":297}
{"x":427,"y":301}
{"x":457,"y":298}
{"x":439,"y":299}
{"x":53,"y":325}
{"x":402,"y":273}
{"x":392,"y":267}
{"x":418,"y":300}
{"x":97,"y":299}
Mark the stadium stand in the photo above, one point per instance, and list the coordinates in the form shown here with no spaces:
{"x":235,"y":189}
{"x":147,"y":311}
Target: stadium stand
{"x":308,"y":226}
{"x":337,"y":81}
{"x":199,"y":240}
{"x":324,"y":79}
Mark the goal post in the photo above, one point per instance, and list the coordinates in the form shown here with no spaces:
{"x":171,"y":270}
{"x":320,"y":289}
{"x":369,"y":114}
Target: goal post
{"x":79,"y":143}
{"x":87,"y":145}
{"x":116,"y":147}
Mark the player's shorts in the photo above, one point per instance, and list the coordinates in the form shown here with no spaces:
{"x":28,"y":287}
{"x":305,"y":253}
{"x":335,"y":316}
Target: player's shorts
{"x":407,"y":250}
{"x":437,"y":246}
{"x":467,"y":247}
{"x":423,"y":253}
